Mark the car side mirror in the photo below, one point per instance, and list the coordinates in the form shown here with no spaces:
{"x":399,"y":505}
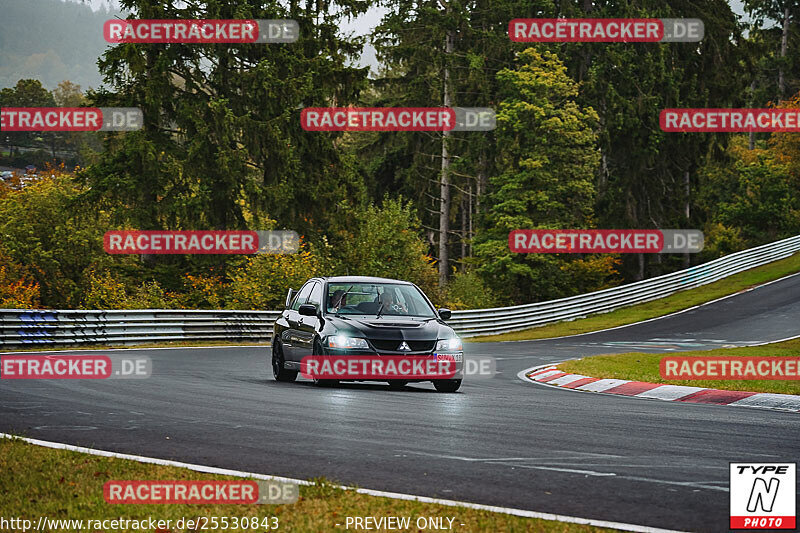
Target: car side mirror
{"x":308,"y":310}
{"x":445,"y":314}
{"x":289,"y":297}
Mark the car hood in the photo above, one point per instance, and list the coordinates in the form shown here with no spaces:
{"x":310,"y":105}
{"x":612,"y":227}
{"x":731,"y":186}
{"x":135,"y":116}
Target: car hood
{"x":391,"y":327}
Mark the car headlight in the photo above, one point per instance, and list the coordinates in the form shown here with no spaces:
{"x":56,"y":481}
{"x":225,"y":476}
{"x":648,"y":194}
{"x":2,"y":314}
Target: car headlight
{"x":449,"y":345}
{"x":340,"y":341}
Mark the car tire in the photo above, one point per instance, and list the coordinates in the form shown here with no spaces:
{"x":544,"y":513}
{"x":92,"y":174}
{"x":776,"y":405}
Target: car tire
{"x":322,"y":382}
{"x":447,"y":385}
{"x":278,"y":371}
{"x":397,"y":384}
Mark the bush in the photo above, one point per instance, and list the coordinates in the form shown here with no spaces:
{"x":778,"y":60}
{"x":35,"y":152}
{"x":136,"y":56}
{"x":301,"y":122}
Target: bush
{"x":204,"y":292}
{"x":46,"y":227}
{"x":151,"y":295}
{"x":592,"y":273}
{"x":18,"y":290}
{"x":263,"y":280}
{"x":751,"y":199}
{"x":721,"y":240}
{"x":385,"y":242}
{"x":105,"y":292}
{"x":109,"y":292}
{"x":468,"y":291}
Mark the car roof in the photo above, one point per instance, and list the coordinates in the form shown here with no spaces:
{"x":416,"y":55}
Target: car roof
{"x":363,"y":279}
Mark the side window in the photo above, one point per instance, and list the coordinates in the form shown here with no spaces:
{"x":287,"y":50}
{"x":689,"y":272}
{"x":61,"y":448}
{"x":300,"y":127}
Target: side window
{"x":316,"y":295}
{"x":302,"y":296}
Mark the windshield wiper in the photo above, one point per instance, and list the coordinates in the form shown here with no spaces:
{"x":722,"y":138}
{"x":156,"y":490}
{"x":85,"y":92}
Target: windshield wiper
{"x":380,"y":310}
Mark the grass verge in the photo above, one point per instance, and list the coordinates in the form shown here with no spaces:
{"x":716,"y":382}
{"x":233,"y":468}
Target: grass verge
{"x":664,"y":306}
{"x":165,"y":344}
{"x":60,"y":484}
{"x":644,"y":367}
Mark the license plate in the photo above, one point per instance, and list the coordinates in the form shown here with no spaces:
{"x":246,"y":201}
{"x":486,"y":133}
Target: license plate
{"x":457,"y":357}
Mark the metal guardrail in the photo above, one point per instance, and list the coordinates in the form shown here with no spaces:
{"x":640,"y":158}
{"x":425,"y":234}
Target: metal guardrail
{"x":26,"y":326}
{"x":504,"y":319}
{"x":19,"y":327}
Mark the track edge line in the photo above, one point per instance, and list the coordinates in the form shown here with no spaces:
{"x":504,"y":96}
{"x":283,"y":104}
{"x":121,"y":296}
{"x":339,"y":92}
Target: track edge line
{"x":370,"y":492}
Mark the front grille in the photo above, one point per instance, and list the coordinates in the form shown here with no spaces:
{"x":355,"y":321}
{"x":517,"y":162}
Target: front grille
{"x":393,"y":345}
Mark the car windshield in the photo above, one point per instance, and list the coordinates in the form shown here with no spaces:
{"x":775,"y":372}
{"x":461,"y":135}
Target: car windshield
{"x":380,"y":299}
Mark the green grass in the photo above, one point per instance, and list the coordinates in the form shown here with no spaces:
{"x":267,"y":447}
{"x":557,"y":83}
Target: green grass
{"x":644,"y":367}
{"x":59,"y":484}
{"x":664,"y":306}
{"x":165,"y":344}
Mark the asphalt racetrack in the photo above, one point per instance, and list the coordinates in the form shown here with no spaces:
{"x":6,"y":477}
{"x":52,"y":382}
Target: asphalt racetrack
{"x":499,"y":441}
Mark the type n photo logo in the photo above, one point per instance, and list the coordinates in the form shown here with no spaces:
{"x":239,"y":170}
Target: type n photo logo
{"x":763,"y":495}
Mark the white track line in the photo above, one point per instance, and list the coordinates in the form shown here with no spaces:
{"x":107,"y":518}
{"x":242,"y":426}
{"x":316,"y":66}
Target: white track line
{"x":779,"y":340}
{"x":395,"y":495}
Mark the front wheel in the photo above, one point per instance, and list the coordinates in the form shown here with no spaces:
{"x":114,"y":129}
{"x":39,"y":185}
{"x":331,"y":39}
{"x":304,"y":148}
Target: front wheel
{"x":447,"y":385}
{"x":278,"y":371}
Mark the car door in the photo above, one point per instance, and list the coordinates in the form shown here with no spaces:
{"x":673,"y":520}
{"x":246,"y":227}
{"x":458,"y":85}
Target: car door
{"x":308,"y":325}
{"x":290,"y":337}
